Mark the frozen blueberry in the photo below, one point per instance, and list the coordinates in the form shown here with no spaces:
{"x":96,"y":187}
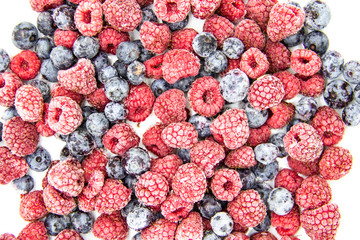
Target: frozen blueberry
{"x":115,"y":111}
{"x":48,"y":70}
{"x":9,"y":113}
{"x":351,"y":114}
{"x":265,"y":224}
{"x":63,"y":17}
{"x":43,"y":87}
{"x":98,"y":142}
{"x":204,"y":44}
{"x":114,"y":168}
{"x":184,"y":84}
{"x":296,"y":4}
{"x":295,"y":39}
{"x":247,"y":178}
{"x":351,"y":72}
{"x":255,"y":118}
{"x":317,"y":41}
{"x":277,"y":139}
{"x":136,"y":73}
{"x":265,"y":172}
{"x":134,"y":202}
{"x":306,"y":108}
{"x":40,"y":160}
{"x":338,"y":94}
{"x":121,"y":68}
{"x":86,"y":47}
{"x":24,"y":184}
{"x":56,"y":223}
{"x":147,"y":15}
{"x":45,"y":23}
{"x":357,"y":93}
{"x":62,"y":57}
{"x":127,"y":52}
{"x":97,"y":124}
{"x":65,"y":153}
{"x":293,"y":122}
{"x":80,"y":143}
{"x":216,"y":62}
{"x":266,"y":153}
{"x":209,"y":206}
{"x":139,"y":218}
{"x":234,"y":86}
{"x":137,"y":236}
{"x":264,"y":190}
{"x":184,"y":154}
{"x":100,"y":61}
{"x":178,"y":25}
{"x":222,"y":224}
{"x":332,"y":64}
{"x":130,"y":182}
{"x":136,"y":161}
{"x":210,"y":235}
{"x":82,"y":222}
{"x":4,"y":60}
{"x":144,"y":53}
{"x":116,"y":89}
{"x":159,"y":86}
{"x":43,"y":47}
{"x":280,"y":201}
{"x":87,"y":111}
{"x":233,"y":47}
{"x":317,"y":15}
{"x":107,"y":73}
{"x":201,"y":124}
{"x":24,"y":35}
{"x":204,"y":71}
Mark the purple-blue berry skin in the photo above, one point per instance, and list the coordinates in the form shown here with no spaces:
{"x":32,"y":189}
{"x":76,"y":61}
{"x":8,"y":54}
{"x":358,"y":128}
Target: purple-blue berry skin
{"x":87,"y":111}
{"x":4,"y":60}
{"x":136,"y":161}
{"x":234,"y":86}
{"x":100,"y":61}
{"x":277,"y":139}
{"x":266,"y":153}
{"x":134,"y":202}
{"x":130,"y":182}
{"x":295,"y":39}
{"x":265,"y":172}
{"x":137,"y":236}
{"x":332,"y":64}
{"x":45,"y":23}
{"x":317,"y":41}
{"x":97,"y":124}
{"x":144,"y":53}
{"x":139,"y":218}
{"x":43,"y":47}
{"x":264,"y":190}
{"x":247,"y":178}
{"x":178,"y":25}
{"x":338,"y":94}
{"x":62,"y":57}
{"x":201,"y":124}
{"x":49,"y":71}
{"x":114,"y":168}
{"x":184,"y":154}
{"x":306,"y":108}
{"x":116,"y":89}
{"x":40,"y":160}
{"x":210,"y":235}
{"x":280,"y":201}
{"x":357,"y":94}
{"x":209,"y":206}
{"x":204,"y":44}
{"x":121,"y":68}
{"x":147,"y":15}
{"x":24,"y":184}
{"x":216,"y":62}
{"x":233,"y":48}
{"x":184,"y":84}
{"x":43,"y":87}
{"x":80,"y":143}
{"x":159,"y":86}
{"x":293,"y":122}
{"x":317,"y":15}
{"x":255,"y":118}
{"x":136,"y":73}
{"x":9,"y":113}
{"x":351,"y":114}
{"x":63,"y":17}
{"x":265,"y":224}
{"x":86,"y":47}
{"x":127,"y":52}
{"x":115,"y":112}
{"x":107,"y":73}
{"x":222,"y":224}
{"x":351,"y":72}
{"x":82,"y":222}
{"x":24,"y":35}
{"x":56,"y":223}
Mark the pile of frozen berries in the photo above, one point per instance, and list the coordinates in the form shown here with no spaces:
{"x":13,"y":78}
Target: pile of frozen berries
{"x":230,"y":103}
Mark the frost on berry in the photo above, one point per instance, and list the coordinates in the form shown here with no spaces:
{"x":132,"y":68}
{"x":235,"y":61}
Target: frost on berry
{"x":286,"y":225}
{"x":278,"y":56}
{"x":305,"y":62}
{"x":57,"y":202}
{"x":174,"y":208}
{"x":86,"y":204}
{"x":190,"y":228}
{"x":250,"y":34}
{"x":153,"y":142}
{"x":291,"y":84}
{"x":160,"y":229}
{"x":204,"y":9}
{"x":34,"y":230}
{"x":11,"y":166}
{"x":110,"y":226}
{"x":335,"y":163}
{"x":96,"y":161}
{"x":280,"y":115}
{"x":242,"y":157}
{"x":226,"y":184}
{"x":258,"y":135}
{"x":220,"y":27}
{"x":172,"y":10}
{"x":32,"y":206}
{"x":166,"y":166}
{"x":232,"y":9}
{"x":236,"y":236}
{"x":179,"y":135}
{"x":304,"y":168}
{"x":98,"y":99}
{"x":170,"y":106}
{"x":259,"y":11}
{"x":151,"y":188}
{"x":7,"y":236}
{"x":42,"y":125}
{"x":263,"y":236}
{"x":29,"y":103}
{"x":155,"y":37}
{"x":153,"y":67}
{"x":109,"y":39}
{"x":182,"y":39}
{"x":68,"y":234}
{"x":254,"y":63}
{"x":25,"y":64}
{"x":58,"y":90}
{"x":288,"y":179}
{"x":311,"y":86}
{"x":9,"y":83}
{"x":95,"y":184}
{"x":88,"y":17}
{"x":43,"y":5}
{"x":65,"y":38}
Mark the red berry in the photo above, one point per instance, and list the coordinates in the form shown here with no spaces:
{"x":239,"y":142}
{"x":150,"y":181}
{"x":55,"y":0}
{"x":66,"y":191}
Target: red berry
{"x":263,"y":236}
{"x":258,"y":135}
{"x":226,"y":184}
{"x":233,"y":10}
{"x":175,"y":209}
{"x":166,"y":166}
{"x":153,"y":142}
{"x":155,"y":37}
{"x":250,"y":34}
{"x":190,"y":228}
{"x":98,"y":99}
{"x":109,"y":39}
{"x":204,"y":9}
{"x":290,"y":82}
{"x":280,"y":115}
{"x":9,"y":84}
{"x":59,"y":91}
{"x":29,"y":103}
{"x":232,"y":64}
{"x":151,"y":188}
{"x":110,"y":226}
{"x":160,"y":229}
{"x":33,"y":231}
{"x":25,"y":64}
{"x":254,"y":63}
{"x":259,"y":11}
{"x":65,"y":38}
{"x":172,"y":10}
{"x":57,"y":202}
{"x":242,"y":157}
{"x":88,"y":17}
{"x":278,"y":56}
{"x":179,"y":135}
{"x":42,"y":125}
{"x":182,"y":39}
{"x":68,"y":234}
{"x":311,"y":86}
{"x":43,"y":5}
{"x":305,"y":62}
{"x":289,"y":179}
{"x":220,"y":27}
{"x":304,"y":168}
{"x":153,"y":67}
{"x":236,"y":236}
{"x":170,"y":106}
{"x":286,"y":225}
{"x":44,"y":182}
{"x":335,"y":163}
{"x":96,"y":161}
{"x":32,"y":206}
{"x":86,"y":204}
{"x":94,"y":185}
{"x":7,"y":236}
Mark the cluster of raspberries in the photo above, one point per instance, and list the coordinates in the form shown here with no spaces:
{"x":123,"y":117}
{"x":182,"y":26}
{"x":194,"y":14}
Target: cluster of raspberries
{"x":212,"y":98}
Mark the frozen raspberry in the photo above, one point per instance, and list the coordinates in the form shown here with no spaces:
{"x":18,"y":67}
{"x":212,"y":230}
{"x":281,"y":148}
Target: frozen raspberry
{"x":120,"y":138}
{"x":250,"y":34}
{"x":226,"y":184}
{"x":305,"y":62}
{"x":98,"y":99}
{"x":175,"y":209}
{"x":289,"y":179}
{"x":231,"y":128}
{"x":254,"y":63}
{"x":232,"y":64}
{"x":42,"y":125}
{"x":65,"y":38}
{"x":280,"y":115}
{"x":220,"y":27}
{"x":95,"y":184}
{"x":111,"y":226}
{"x":43,"y":5}
{"x":238,"y":228}
{"x":170,"y":106}
{"x":179,"y":63}
{"x":20,"y":137}
{"x":236,"y":236}
{"x":153,"y":142}
{"x":44,"y":182}
{"x":64,"y":115}
{"x":151,"y":188}
{"x":321,"y":223}
{"x":57,"y":202}
{"x":34,"y":230}
{"x":58,"y":91}
{"x":263,"y":236}
{"x":290,"y":82}
{"x":259,"y":11}
{"x":247,"y":208}
{"x":258,"y":135}
{"x":160,"y":229}
{"x":109,"y":39}
{"x":190,"y":227}
{"x":284,"y":21}
{"x":243,"y":157}
{"x":286,"y":225}
{"x":68,"y":234}
{"x":204,"y":9}
{"x":311,"y":86}
{"x":7,"y":236}
{"x":155,"y":37}
{"x":9,"y":84}
{"x":144,"y":3}
{"x":88,"y":17}
{"x":172,"y":10}
{"x":153,"y":67}
{"x":123,"y":15}
{"x":205,"y":97}
{"x":25,"y":64}
{"x":32,"y":206}
{"x":335,"y":163}
{"x":139,"y":102}
{"x":182,"y":39}
{"x":304,"y":168}
{"x":29,"y":103}
{"x":96,"y":161}
{"x":179,"y":135}
{"x":233,"y":10}
{"x":86,"y":204}
{"x":166,"y":166}
{"x":278,"y":56}
{"x":189,"y":182}
{"x":329,"y":125}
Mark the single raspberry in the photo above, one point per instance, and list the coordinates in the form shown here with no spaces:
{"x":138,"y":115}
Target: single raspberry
{"x":111,"y":226}
{"x":182,"y":39}
{"x":120,"y":138}
{"x":68,"y":234}
{"x":236,"y":236}
{"x":175,"y":209}
{"x":153,"y":67}
{"x":94,"y":185}
{"x":44,"y":182}
{"x":59,"y":91}
{"x":32,"y":206}
{"x":57,"y":202}
{"x":139,"y":102}
{"x":335,"y":163}
{"x":280,"y":115}
{"x":312,"y":86}
{"x":226,"y":184}
{"x":172,"y":10}
{"x":263,"y":236}
{"x":98,"y":99}
{"x":96,"y":161}
{"x":286,"y":225}
{"x":88,"y":17}
{"x":254,"y":63}
{"x":242,"y":157}
{"x":25,"y":64}
{"x":166,"y":166}
{"x":43,"y":5}
{"x":258,"y":135}
{"x":153,"y":142}
{"x":7,"y":236}
{"x":250,"y":34}
{"x":231,"y":128}
{"x":144,"y":3}
{"x":204,"y":9}
{"x":284,"y":21}
{"x":190,"y":227}
{"x":232,"y":64}
{"x":289,"y":179}
{"x":304,"y":168}
{"x":179,"y":135}
{"x":290,"y":82}
{"x":34,"y":230}
{"x":29,"y":103}
{"x":20,"y":137}
{"x":170,"y":106}
{"x":220,"y":27}
{"x":247,"y":208}
{"x":64,"y":115}
{"x":109,"y":39}
{"x":178,"y":64}
{"x":278,"y":56}
{"x":151,"y":188}
{"x":189,"y":182}
{"x":65,"y":38}
{"x":259,"y":11}
{"x":233,"y":10}
{"x":123,"y":15}
{"x":160,"y":229}
{"x":42,"y":125}
{"x":329,"y":125}
{"x":155,"y":37}
{"x":86,"y":204}
{"x":205,"y":97}
{"x":9,"y":84}
{"x":305,"y":62}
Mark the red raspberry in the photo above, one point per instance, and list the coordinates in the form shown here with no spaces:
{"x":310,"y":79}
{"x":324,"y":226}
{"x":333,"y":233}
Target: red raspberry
{"x":88,"y":17}
{"x":120,"y":138}
{"x":335,"y":163}
{"x":65,"y":38}
{"x":98,"y":99}
{"x":179,"y":63}
{"x":109,"y":39}
{"x":80,"y":78}
{"x":259,"y":11}
{"x":284,"y":20}
{"x":153,"y":67}
{"x":243,"y":157}
{"x":226,"y":184}
{"x":303,"y":143}
{"x":179,"y":135}
{"x":329,"y":125}
{"x":289,"y":179}
{"x":170,"y":106}
{"x":68,"y":234}
{"x":175,"y":209}
{"x":139,"y":102}
{"x":286,"y":225}
{"x":97,"y":160}
{"x":312,"y":86}
{"x":86,"y":204}
{"x":231,"y":128}
{"x":247,"y":208}
{"x":95,"y":184}
{"x":189,"y":182}
{"x":172,"y":10}
{"x":289,"y":238}
{"x":281,"y":115}
{"x":206,"y":155}
{"x":60,"y":91}
{"x":232,"y":64}
{"x":64,"y":115}
{"x":32,"y":206}
{"x":305,"y":62}
{"x":182,"y":39}
{"x":57,"y":202}
{"x":238,"y":228}
{"x":233,"y":10}
{"x":29,"y":103}
{"x":278,"y":56}
{"x":155,"y":37}
{"x":43,"y":5}
{"x":205,"y":97}
{"x":258,"y":135}
{"x":111,"y":226}
{"x":236,"y":236}
{"x":254,"y":63}
{"x":33,"y":231}
{"x":190,"y":228}
{"x":220,"y":27}
{"x":166,"y":166}
{"x":250,"y":34}
{"x":20,"y":137}
{"x":160,"y":229}
{"x":144,"y":3}
{"x":304,"y":168}
{"x":290,"y":82}
{"x":44,"y":182}
{"x":42,"y":125}
{"x":151,"y":188}
{"x":204,"y":9}
{"x":314,"y":192}
{"x":7,"y":236}
{"x":153,"y":142}
{"x":123,"y":15}
{"x":263,"y":236}
{"x":9,"y":84}
{"x":25,"y":64}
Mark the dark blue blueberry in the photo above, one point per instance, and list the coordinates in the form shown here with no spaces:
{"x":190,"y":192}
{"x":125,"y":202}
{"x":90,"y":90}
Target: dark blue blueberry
{"x":351,"y":72}
{"x":204,"y":71}
{"x":209,"y":206}
{"x":280,"y":201}
{"x":4,"y":60}
{"x":265,"y":224}
{"x":130,"y":182}
{"x":82,"y":222}
{"x":139,"y":218}
{"x":293,"y":122}
{"x":99,"y":143}
{"x":136,"y":73}
{"x":65,"y":153}
{"x":45,"y":23}
{"x":265,"y":172}
{"x":159,"y":86}
{"x":121,"y":68}
{"x":184,"y":84}
{"x":147,"y":15}
{"x":136,"y":161}
{"x":233,"y":48}
{"x":137,"y":236}
{"x":264,"y":190}
{"x":97,"y":124}
{"x":317,"y":15}
{"x":24,"y":35}
{"x":43,"y":87}
{"x":234,"y":86}
{"x":204,"y":44}
{"x":295,"y":39}
{"x":40,"y":160}
{"x":255,"y":118}
{"x":61,"y":137}
{"x":106,"y":73}
{"x":201,"y":124}
{"x":247,"y":178}
{"x":56,"y":223}
{"x":86,"y":47}
{"x":48,"y":70}
{"x":115,"y":111}
{"x":357,"y":93}
{"x":222,"y":224}
{"x":43,"y":47}
{"x":306,"y":108}
{"x":134,"y":202}
{"x":127,"y":52}
{"x":317,"y":41}
{"x":9,"y":113}
{"x":216,"y":62}
{"x":178,"y":25}
{"x":116,"y":89}
{"x":62,"y":57}
{"x":63,"y":17}
{"x":332,"y":64}
{"x":210,"y":235}
{"x":338,"y":94}
{"x":80,"y":143}
{"x":100,"y":61}
{"x":351,"y":114}
{"x":296,"y":4}
{"x":114,"y":168}
{"x":277,"y":139}
{"x":24,"y":184}
{"x":266,"y":153}
{"x":144,"y":54}
{"x":87,"y":111}
{"x":184,"y":154}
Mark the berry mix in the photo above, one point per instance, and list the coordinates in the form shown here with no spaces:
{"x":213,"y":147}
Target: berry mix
{"x":226,"y":105}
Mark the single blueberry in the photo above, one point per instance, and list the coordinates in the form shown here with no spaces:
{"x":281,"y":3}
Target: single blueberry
{"x":56,"y":223}
{"x":234,"y":86}
{"x":136,"y":73}
{"x":201,"y":124}
{"x":204,"y":44}
{"x":24,"y":184}
{"x":127,"y":52}
{"x":357,"y":93}
{"x":277,"y":139}
{"x":184,"y":84}
{"x":24,"y":35}
{"x":159,"y":86}
{"x":48,"y":70}
{"x":4,"y":60}
{"x":115,"y":111}
{"x":178,"y":25}
{"x":114,"y":168}
{"x":86,"y":47}
{"x":295,"y":39}
{"x":216,"y":62}
{"x":82,"y":222}
{"x":317,"y":15}
{"x":121,"y":68}
{"x":9,"y":113}
{"x":43,"y":87}
{"x":80,"y":143}
{"x":317,"y":41}
{"x":136,"y":161}
{"x":45,"y":23}
{"x":306,"y":108}
{"x":233,"y":48}
{"x":280,"y":201}
{"x":144,"y":53}
{"x":332,"y":64}
{"x":116,"y":89}
{"x":209,"y":206}
{"x":43,"y":47}
{"x":40,"y":160}
{"x":265,"y":172}
{"x":63,"y":17}
{"x":247,"y":178}
{"x":338,"y":94}
{"x":134,"y":202}
{"x":100,"y":61}
{"x":222,"y":224}
{"x":130,"y":182}
{"x":266,"y":153}
{"x":107,"y":73}
{"x":62,"y":57}
{"x":139,"y":218}
{"x":184,"y":154}
{"x":97,"y":124}
{"x":265,"y":224}
{"x":351,"y":72}
{"x":255,"y":117}
{"x":351,"y":114}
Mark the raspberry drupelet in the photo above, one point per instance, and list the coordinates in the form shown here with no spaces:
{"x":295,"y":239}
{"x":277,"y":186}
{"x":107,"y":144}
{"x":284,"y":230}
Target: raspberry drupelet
{"x":259,"y":11}
{"x":250,"y":34}
{"x":160,"y":229}
{"x":88,"y":17}
{"x":290,"y":82}
{"x":109,"y":39}
{"x":305,"y":62}
{"x":9,"y":84}
{"x":254,"y":63}
{"x":182,"y":39}
{"x":32,"y":206}
{"x":242,"y":157}
{"x":220,"y":27}
{"x":335,"y":163}
{"x":280,"y":115}
{"x":29,"y":103}
{"x":65,"y":38}
{"x":170,"y":106}
{"x":289,"y":179}
{"x":179,"y":135}
{"x":151,"y":188}
{"x":205,"y":8}
{"x":12,"y":166}
{"x":25,"y":64}
{"x":172,"y":10}
{"x":110,"y":226}
{"x":153,"y":142}
{"x":174,"y":208}
{"x":191,"y":227}
{"x":226,"y":184}
{"x":286,"y":225}
{"x":233,"y":10}
{"x":155,"y":37}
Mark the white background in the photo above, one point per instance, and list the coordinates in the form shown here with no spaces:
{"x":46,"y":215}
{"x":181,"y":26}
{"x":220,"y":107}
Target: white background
{"x":344,"y":34}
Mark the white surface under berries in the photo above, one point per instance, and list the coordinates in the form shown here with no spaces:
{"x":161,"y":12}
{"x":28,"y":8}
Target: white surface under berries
{"x":344,"y":34}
